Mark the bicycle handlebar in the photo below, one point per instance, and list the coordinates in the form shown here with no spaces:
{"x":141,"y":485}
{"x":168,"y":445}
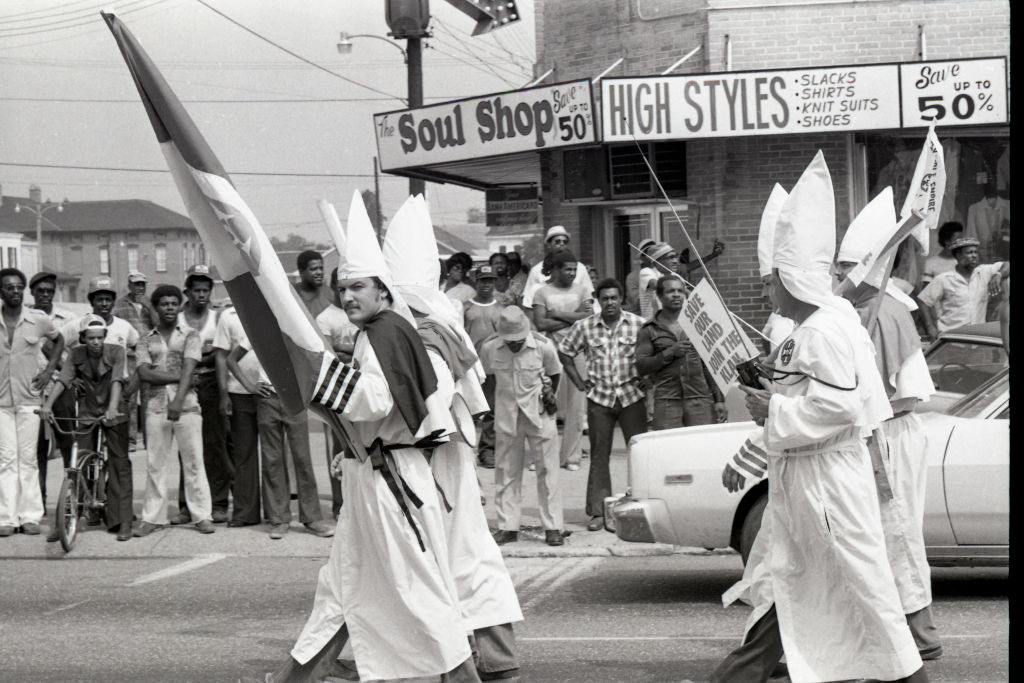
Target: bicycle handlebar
{"x":90,"y":424}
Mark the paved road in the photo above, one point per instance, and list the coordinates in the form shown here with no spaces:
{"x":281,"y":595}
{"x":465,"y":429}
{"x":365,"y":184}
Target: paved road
{"x":212,"y":617}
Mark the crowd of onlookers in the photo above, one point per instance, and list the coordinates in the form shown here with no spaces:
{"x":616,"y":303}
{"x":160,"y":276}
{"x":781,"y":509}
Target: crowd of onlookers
{"x":566,"y":355}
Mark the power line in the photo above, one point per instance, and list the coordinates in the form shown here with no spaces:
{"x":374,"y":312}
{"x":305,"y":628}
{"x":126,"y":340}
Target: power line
{"x":164,"y":170}
{"x":313,"y":100}
{"x":12,"y":18}
{"x":479,"y":67}
{"x":93,"y":28}
{"x":295,"y":54}
{"x":53,"y":26}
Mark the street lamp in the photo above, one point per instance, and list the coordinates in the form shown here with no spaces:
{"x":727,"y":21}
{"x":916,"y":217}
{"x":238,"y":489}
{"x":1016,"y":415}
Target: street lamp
{"x":413,"y":58}
{"x":39,"y":209}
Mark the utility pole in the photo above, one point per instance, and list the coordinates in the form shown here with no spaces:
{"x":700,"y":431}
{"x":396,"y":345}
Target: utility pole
{"x":379,"y":222}
{"x":414,"y":50}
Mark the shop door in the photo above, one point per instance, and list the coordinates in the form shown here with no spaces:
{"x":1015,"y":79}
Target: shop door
{"x":629,"y":226}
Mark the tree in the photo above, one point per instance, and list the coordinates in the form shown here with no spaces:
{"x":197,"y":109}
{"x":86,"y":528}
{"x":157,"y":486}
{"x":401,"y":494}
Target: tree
{"x":370,"y":200}
{"x":475,"y":215}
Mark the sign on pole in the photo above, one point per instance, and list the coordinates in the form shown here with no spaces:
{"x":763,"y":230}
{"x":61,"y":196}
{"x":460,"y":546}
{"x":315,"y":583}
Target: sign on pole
{"x":719,"y":340}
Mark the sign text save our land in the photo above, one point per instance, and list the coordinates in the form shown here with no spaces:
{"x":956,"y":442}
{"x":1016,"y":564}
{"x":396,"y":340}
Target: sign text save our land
{"x":536,"y":119}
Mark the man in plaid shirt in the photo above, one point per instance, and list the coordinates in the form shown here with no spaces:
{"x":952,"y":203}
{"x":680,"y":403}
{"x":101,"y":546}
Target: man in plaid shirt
{"x":613,"y":388}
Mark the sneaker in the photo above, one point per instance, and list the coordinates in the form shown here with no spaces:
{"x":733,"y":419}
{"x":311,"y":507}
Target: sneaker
{"x":6,"y":530}
{"x":486,"y":461}
{"x":54,"y":534}
{"x":235,"y":523}
{"x":554,"y":537}
{"x":145,"y":529}
{"x":181,"y":518}
{"x":30,"y":529}
{"x":931,"y":654}
{"x":573,"y":467}
{"x":220,"y":516}
{"x":502,"y":537}
{"x":532,"y":467}
{"x":205,"y":526}
{"x":278,"y":531}
{"x":320,"y":528}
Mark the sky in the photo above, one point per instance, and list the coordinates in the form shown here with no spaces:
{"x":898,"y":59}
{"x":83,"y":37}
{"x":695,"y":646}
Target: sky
{"x":66,"y":98}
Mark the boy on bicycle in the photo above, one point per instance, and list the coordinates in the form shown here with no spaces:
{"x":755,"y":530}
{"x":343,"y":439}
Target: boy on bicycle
{"x":98,"y":371}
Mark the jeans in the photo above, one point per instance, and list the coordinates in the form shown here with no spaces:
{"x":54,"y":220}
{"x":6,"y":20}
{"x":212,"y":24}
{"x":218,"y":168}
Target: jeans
{"x":670,"y":413}
{"x":274,"y":427}
{"x":245,"y":459}
{"x":118,"y":508}
{"x":21,"y":501}
{"x":508,"y":472}
{"x":632,"y":420}
{"x":164,"y":436}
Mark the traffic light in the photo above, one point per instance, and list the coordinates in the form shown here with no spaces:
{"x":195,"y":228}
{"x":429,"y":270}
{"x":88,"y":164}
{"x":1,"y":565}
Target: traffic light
{"x":407,"y":18}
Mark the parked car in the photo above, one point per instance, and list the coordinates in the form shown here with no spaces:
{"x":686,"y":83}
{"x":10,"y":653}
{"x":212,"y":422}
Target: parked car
{"x":960,"y":361}
{"x":675,"y":493}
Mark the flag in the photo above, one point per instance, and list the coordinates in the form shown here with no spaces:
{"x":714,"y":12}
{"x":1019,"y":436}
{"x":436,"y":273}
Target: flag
{"x":334,"y":229}
{"x":281,"y":330}
{"x":926,"y":188}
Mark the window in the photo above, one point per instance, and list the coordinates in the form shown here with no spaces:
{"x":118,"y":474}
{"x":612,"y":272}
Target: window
{"x":12,"y":257}
{"x":161,"y":258}
{"x":104,"y":260}
{"x":202,"y":254}
{"x":133,"y":257}
{"x":75,"y":263}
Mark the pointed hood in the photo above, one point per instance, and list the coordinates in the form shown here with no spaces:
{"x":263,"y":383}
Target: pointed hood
{"x":766,"y":234}
{"x":334,"y":230}
{"x":868,"y":232}
{"x":363,"y":256}
{"x":805,"y":239}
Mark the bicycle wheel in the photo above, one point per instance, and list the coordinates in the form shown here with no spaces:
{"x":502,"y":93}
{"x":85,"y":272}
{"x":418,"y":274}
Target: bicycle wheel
{"x":69,"y":508}
{"x":91,"y":486}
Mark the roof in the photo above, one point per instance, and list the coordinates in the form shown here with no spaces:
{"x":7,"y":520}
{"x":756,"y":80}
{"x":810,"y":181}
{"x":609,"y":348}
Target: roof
{"x":98,"y":216}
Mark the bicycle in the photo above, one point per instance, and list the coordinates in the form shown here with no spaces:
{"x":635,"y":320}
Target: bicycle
{"x":84,"y":487}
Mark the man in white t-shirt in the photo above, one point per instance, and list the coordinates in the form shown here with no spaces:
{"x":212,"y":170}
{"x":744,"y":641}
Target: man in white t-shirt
{"x":557,"y":237}
{"x":960,"y":296}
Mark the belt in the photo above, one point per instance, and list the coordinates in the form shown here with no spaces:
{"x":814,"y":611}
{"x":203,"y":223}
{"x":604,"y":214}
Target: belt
{"x":383,"y":461}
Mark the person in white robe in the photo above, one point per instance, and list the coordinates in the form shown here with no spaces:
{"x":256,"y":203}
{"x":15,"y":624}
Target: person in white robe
{"x":486,"y":593}
{"x":835,"y":595}
{"x":904,"y":371}
{"x":386,"y":588}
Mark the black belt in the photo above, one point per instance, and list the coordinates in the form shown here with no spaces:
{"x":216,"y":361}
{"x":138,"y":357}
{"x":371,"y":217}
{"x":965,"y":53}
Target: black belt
{"x":384,"y":462}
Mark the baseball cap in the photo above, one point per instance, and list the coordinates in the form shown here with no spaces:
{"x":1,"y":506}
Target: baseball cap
{"x":554,"y":231}
{"x":512,"y":324}
{"x":91,"y":321}
{"x":198,"y":272}
{"x":101,"y":283}
{"x":39,"y":277}
{"x":485,"y":272}
{"x":137,"y":276}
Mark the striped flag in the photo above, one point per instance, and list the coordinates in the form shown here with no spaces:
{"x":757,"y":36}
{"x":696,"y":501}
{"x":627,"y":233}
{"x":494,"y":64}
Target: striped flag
{"x":299,"y":363}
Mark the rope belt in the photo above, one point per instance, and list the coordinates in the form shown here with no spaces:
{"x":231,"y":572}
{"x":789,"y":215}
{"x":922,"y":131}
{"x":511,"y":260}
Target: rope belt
{"x":382,"y":460}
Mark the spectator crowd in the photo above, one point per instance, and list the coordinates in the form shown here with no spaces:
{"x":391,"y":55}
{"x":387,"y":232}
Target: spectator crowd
{"x":565,"y":360}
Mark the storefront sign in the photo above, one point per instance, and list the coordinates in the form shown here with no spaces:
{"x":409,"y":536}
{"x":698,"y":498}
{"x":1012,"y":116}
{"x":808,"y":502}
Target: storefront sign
{"x":954,"y":93}
{"x":826,"y":99}
{"x":718,"y":338}
{"x":505,"y":123}
{"x":514,"y":206}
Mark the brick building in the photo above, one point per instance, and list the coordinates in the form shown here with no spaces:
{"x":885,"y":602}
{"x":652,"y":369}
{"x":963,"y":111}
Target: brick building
{"x":109,"y":237}
{"x":870,"y":129}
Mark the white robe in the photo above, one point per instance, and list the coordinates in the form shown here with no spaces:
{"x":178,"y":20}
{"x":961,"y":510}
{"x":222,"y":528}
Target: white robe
{"x":399,"y":602}
{"x":837,"y":602}
{"x":486,"y":593}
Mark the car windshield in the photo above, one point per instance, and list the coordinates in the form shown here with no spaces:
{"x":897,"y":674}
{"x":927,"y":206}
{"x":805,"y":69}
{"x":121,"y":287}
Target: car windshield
{"x":995,"y":394}
{"x":961,"y":366}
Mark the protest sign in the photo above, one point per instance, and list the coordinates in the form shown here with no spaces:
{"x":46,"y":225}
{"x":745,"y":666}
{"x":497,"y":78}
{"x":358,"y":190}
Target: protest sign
{"x":718,"y":338}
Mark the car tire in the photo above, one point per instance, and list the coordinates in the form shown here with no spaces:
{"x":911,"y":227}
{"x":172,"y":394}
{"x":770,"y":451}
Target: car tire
{"x":751,"y":525}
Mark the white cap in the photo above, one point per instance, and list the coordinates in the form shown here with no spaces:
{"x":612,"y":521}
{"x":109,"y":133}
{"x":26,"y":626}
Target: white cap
{"x":554,"y":231}
{"x":363,"y":257}
{"x":766,"y":234}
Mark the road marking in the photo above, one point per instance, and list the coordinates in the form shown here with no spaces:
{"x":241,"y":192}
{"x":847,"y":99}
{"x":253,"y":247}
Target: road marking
{"x":561,"y":577}
{"x":195,"y":563}
{"x":66,"y":607}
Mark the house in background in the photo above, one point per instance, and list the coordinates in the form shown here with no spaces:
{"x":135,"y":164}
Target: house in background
{"x":109,"y":237}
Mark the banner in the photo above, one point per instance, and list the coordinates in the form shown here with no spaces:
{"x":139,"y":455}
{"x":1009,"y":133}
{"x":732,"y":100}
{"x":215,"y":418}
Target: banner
{"x":542,"y":118}
{"x":512,"y":206}
{"x":718,"y":338}
{"x":818,"y":99}
{"x":927,"y":187}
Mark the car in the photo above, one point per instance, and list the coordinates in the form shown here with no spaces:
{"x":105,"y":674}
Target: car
{"x":960,"y":361}
{"x":675,"y":493}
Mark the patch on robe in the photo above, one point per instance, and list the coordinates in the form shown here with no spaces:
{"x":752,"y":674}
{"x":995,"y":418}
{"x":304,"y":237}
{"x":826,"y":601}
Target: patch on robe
{"x":787,"y":352}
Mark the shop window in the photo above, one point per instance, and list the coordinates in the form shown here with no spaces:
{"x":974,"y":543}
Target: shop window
{"x":620,"y":172}
{"x":977,"y":189}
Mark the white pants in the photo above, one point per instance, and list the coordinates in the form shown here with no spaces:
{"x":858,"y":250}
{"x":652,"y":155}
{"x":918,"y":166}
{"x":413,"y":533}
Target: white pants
{"x":572,"y":406}
{"x":161,"y":435}
{"x":508,"y":472}
{"x":21,"y":501}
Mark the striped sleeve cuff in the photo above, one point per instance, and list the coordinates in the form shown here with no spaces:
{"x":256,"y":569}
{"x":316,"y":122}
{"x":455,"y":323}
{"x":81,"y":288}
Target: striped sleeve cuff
{"x":335,"y":384}
{"x":751,"y":460}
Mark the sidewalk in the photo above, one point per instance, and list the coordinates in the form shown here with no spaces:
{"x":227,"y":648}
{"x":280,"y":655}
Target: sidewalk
{"x":185,"y":541}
